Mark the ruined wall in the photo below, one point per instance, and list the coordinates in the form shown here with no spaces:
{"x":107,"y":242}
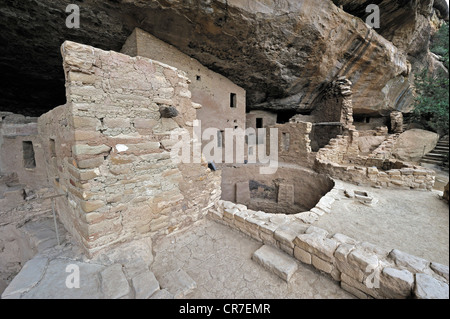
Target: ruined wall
{"x":267,"y":119}
{"x":335,"y":104}
{"x":112,"y":155}
{"x":213,"y":91}
{"x":333,"y":113}
{"x":294,"y":143}
{"x":21,"y":150}
{"x":342,"y":159}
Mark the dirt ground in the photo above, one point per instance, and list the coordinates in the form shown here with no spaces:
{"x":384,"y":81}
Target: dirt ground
{"x":416,"y":222}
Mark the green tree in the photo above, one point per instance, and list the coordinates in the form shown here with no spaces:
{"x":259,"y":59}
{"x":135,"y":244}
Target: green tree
{"x":432,"y":101}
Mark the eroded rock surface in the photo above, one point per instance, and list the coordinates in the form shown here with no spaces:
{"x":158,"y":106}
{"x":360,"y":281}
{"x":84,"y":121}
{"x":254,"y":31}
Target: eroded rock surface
{"x":282,"y":51}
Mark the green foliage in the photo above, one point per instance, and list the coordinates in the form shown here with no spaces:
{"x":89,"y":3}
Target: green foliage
{"x":432,"y":102}
{"x":440,"y":43}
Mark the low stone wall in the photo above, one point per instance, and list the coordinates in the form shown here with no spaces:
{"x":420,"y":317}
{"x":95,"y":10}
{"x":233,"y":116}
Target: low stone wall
{"x":108,"y":149}
{"x":340,"y":159}
{"x":386,"y":148}
{"x":363,"y":269}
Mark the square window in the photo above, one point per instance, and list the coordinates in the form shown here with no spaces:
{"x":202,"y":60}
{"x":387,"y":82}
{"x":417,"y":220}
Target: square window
{"x":29,"y":160}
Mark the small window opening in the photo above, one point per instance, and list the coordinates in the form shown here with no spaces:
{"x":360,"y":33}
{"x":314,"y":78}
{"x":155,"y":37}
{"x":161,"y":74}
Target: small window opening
{"x":259,"y":123}
{"x":233,"y":100}
{"x":29,"y":160}
{"x":220,"y":135}
{"x":286,"y":141}
{"x":367,"y":119}
{"x":52,"y":148}
{"x":199,"y":78}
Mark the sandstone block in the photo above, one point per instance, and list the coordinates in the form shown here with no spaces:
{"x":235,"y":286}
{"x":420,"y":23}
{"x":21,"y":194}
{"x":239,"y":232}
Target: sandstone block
{"x":267,"y":239}
{"x":365,"y":261}
{"x":228,"y":214}
{"x":114,"y":283}
{"x":302,"y":255}
{"x":321,"y":264}
{"x":344,"y":239}
{"x":354,"y":291}
{"x":276,"y":261}
{"x":309,"y":217}
{"x":360,"y":286}
{"x":86,"y":123}
{"x":441,"y":270}
{"x":116,"y":122}
{"x":178,"y":283}
{"x":90,"y":206}
{"x":91,"y":163}
{"x":162,"y":294}
{"x":395,"y":283}
{"x":145,"y":285}
{"x":317,"y":244}
{"x":287,"y":233}
{"x":140,"y":123}
{"x":410,"y":262}
{"x":428,"y":287}
{"x":81,"y":149}
{"x":28,"y":277}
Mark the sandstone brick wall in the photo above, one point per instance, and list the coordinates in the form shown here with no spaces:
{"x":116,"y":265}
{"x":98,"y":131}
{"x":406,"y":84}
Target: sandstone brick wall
{"x":16,"y":129}
{"x":112,"y":154}
{"x":293,"y":142}
{"x":341,"y":159}
{"x":210,"y":89}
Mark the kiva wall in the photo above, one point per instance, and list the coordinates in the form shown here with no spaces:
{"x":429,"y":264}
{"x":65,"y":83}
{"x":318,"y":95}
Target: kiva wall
{"x":108,"y":150}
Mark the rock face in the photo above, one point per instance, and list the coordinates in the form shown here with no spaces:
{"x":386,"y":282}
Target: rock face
{"x":412,"y":145}
{"x":282,"y":51}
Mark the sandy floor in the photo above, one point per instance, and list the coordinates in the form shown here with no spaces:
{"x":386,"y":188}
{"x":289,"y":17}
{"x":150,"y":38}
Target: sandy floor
{"x":416,"y":222}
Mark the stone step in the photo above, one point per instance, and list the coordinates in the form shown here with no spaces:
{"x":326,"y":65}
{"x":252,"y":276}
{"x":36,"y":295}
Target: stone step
{"x":114,"y":282}
{"x":276,"y":261}
{"x":178,"y":283}
{"x":435,"y":155}
{"x":431,"y":161}
{"x":145,"y":285}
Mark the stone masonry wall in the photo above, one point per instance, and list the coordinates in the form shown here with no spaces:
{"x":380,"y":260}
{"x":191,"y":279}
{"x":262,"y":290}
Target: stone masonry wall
{"x":341,"y":160}
{"x":363,"y":269}
{"x":16,"y":129}
{"x":112,"y":154}
{"x":293,"y":142}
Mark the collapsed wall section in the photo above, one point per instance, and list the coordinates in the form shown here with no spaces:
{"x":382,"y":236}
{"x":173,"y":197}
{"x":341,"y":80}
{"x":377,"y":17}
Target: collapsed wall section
{"x":109,"y":149}
{"x":342,"y":159}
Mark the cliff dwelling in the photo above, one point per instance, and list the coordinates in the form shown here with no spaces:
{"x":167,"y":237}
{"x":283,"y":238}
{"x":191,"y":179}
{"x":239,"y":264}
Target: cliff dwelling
{"x":232,"y":163}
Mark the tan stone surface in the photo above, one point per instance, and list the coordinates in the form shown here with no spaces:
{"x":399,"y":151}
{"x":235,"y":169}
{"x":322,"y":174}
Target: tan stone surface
{"x":219,"y":260}
{"x":416,"y":222}
{"x":412,"y":145}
